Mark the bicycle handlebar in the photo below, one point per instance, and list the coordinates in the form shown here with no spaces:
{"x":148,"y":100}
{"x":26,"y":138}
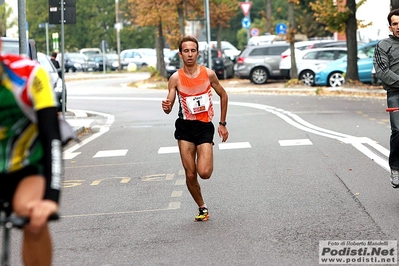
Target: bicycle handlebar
{"x":20,"y":222}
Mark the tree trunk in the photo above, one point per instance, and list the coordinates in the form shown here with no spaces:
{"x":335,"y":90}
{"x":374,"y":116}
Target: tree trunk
{"x":180,"y":11}
{"x":291,"y":39}
{"x":351,"y":42}
{"x":160,"y":44}
{"x":269,"y":21}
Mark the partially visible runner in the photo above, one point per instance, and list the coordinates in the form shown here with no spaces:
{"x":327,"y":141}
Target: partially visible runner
{"x":194,"y":128}
{"x":386,"y":64}
{"x":30,"y":155}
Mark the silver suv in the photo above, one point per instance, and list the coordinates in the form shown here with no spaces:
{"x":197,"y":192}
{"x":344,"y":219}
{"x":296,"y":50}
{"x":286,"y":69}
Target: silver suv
{"x":259,"y":63}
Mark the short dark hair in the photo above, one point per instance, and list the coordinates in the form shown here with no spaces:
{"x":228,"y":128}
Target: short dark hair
{"x":54,"y":54}
{"x":187,"y":38}
{"x":394,"y":12}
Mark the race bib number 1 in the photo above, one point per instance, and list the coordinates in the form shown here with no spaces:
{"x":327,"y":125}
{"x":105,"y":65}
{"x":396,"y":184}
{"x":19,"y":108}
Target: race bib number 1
{"x":198,"y":104}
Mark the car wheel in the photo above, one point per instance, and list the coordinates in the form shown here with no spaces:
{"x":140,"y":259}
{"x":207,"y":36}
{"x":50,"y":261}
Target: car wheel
{"x":336,"y":79}
{"x":307,"y":77}
{"x":259,"y":75}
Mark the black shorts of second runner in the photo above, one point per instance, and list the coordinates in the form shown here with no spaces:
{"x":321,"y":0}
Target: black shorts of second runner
{"x":9,"y":183}
{"x":194,"y":131}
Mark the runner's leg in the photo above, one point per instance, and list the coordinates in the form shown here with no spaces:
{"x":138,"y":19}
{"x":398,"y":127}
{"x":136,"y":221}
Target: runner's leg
{"x":188,"y":154}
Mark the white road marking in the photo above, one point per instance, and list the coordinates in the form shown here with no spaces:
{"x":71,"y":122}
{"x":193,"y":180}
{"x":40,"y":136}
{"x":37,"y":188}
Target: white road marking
{"x":295,"y":142}
{"x":222,"y":146}
{"x":234,"y":145}
{"x":110,"y":153}
{"x":288,"y":117}
{"x":177,"y":194}
{"x":164,"y":150}
{"x":70,"y":153}
{"x":174,"y":205}
{"x":180,"y":182}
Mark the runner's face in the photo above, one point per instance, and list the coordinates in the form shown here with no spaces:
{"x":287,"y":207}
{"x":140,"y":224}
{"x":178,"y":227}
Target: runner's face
{"x":189,"y":53}
{"x":394,"y":28}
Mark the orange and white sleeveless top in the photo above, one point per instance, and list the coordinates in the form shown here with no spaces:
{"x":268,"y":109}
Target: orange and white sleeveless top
{"x":195,"y":97}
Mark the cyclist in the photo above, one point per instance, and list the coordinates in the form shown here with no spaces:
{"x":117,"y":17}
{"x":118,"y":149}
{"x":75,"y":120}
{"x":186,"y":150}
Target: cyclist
{"x":30,"y":152}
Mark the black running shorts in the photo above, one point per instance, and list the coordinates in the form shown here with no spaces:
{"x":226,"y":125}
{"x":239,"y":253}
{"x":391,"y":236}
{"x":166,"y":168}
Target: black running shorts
{"x":9,"y":183}
{"x":194,"y":131}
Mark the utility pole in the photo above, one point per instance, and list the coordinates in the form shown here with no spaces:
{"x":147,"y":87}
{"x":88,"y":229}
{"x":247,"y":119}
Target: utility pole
{"x":208,"y":33}
{"x":23,"y":39}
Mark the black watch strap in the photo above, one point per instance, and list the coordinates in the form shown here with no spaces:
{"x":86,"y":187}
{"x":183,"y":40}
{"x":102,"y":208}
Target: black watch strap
{"x":223,"y":123}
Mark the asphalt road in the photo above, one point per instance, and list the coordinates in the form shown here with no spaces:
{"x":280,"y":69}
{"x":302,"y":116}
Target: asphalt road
{"x":296,"y":170}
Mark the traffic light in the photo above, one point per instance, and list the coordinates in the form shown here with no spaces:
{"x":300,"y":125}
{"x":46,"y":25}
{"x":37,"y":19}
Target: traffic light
{"x":55,"y":11}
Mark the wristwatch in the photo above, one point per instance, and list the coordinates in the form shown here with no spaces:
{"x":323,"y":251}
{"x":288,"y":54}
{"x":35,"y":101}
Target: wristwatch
{"x":223,"y":123}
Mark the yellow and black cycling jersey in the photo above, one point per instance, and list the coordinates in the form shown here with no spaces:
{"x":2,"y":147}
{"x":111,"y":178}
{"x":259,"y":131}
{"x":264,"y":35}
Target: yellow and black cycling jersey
{"x":26,"y":92}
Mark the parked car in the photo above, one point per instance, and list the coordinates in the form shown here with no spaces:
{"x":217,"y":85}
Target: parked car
{"x":307,"y":62}
{"x":142,"y":57}
{"x":262,"y":39}
{"x":77,"y":62}
{"x":44,"y":60}
{"x":221,"y":63}
{"x":259,"y":63}
{"x":90,"y":51}
{"x":332,"y":74}
{"x":304,"y":45}
{"x":226,"y":47}
{"x":111,"y":61}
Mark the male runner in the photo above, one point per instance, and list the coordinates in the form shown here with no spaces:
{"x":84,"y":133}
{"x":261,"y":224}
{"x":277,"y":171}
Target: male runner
{"x":194,"y":128}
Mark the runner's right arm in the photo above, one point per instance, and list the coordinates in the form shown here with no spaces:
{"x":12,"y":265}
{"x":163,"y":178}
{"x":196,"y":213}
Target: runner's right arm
{"x":170,"y":99}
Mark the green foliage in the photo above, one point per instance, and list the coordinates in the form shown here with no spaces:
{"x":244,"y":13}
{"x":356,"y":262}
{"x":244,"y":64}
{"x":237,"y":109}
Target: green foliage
{"x":5,"y":13}
{"x":242,"y":38}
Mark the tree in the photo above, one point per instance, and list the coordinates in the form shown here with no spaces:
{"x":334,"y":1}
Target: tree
{"x":291,"y":37}
{"x":5,"y":14}
{"x":94,"y":22}
{"x":339,"y":17}
{"x":220,"y":13}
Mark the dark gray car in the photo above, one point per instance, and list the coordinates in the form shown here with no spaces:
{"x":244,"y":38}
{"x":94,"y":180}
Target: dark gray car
{"x":259,"y":63}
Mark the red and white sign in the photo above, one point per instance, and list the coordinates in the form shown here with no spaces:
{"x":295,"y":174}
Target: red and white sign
{"x":254,"y":32}
{"x":245,"y":7}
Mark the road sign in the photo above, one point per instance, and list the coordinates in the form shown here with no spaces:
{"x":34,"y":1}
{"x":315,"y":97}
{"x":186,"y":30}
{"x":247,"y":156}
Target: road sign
{"x":245,"y":7}
{"x":281,"y":28}
{"x":246,"y":22}
{"x":254,"y":32}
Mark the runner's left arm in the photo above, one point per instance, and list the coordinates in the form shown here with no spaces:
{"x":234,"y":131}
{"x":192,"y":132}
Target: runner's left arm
{"x":49,"y":133}
{"x":224,"y":99}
